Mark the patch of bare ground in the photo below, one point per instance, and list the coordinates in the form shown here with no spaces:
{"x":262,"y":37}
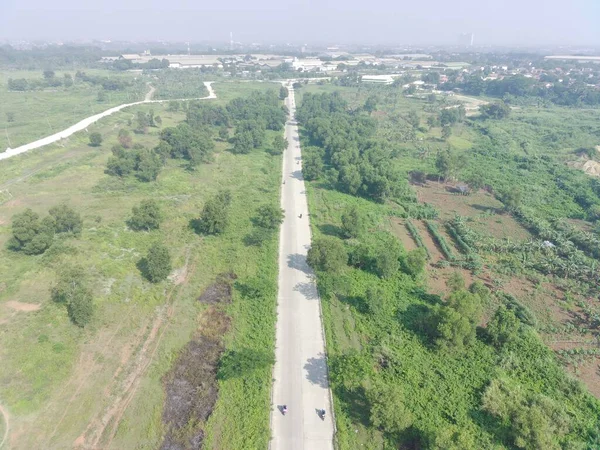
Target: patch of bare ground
{"x":433,"y":249}
{"x":20,"y":306}
{"x":589,"y":374}
{"x":191,"y":386}
{"x":399,"y":229}
{"x":220,"y":290}
{"x":484,"y":210}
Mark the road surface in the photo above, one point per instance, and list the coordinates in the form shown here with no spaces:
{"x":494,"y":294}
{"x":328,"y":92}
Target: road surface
{"x":300,"y":371}
{"x":82,"y":125}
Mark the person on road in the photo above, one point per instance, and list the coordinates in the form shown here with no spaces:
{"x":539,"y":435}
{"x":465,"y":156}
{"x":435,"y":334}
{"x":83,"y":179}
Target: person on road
{"x":323,"y":414}
{"x":284,"y":409}
{"x":301,"y":216}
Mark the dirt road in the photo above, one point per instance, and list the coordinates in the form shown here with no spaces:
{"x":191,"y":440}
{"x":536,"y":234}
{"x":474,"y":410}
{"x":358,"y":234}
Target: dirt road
{"x":82,"y":125}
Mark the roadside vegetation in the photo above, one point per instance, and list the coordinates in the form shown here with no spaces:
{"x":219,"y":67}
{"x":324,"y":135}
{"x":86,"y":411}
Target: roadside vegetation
{"x":110,"y":287}
{"x":454,"y":350}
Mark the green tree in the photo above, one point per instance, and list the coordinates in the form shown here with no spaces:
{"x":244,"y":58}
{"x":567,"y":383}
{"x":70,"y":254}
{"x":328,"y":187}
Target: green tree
{"x":370,"y":104}
{"x":124,"y":138}
{"x":142,"y":122}
{"x":499,"y":110}
{"x":413,"y":118}
{"x":511,"y":198}
{"x":224,"y":133}
{"x":455,"y":282}
{"x":451,"y":329}
{"x":156,"y":266}
{"x":146,"y":216}
{"x":10,"y":116}
{"x":327,"y":254}
{"x":95,"y":139}
{"x":49,"y":74}
{"x":173,"y":106}
{"x":269,"y":216}
{"x":446,"y":132}
{"x":242,"y":142}
{"x":215,"y":214}
{"x":312,"y":166}
{"x":354,"y":222}
{"x":158,"y":121}
{"x":387,"y":261}
{"x":72,"y":291}
{"x":415,"y":261}
{"x":68,"y":80}
{"x":66,"y":219}
{"x":388,"y":408}
{"x":503,"y":326}
{"x":279,"y":144}
{"x":283,"y":93}
{"x":30,"y":235}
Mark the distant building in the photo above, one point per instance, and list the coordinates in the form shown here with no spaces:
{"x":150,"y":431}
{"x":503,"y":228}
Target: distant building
{"x":377,"y":79}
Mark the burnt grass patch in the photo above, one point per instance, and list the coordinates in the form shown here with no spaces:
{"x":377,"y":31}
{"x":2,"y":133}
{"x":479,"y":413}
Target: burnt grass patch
{"x":191,"y":386}
{"x":220,"y":290}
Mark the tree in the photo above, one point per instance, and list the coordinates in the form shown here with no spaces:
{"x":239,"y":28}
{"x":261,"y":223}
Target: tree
{"x":370,"y":104}
{"x":503,"y":327}
{"x":327,"y":254}
{"x":214,"y":217}
{"x":415,"y":261}
{"x":10,"y":116}
{"x":66,"y":220}
{"x":124,"y":138}
{"x":158,"y":121}
{"x":146,"y":216}
{"x":511,"y":198}
{"x":451,"y":329}
{"x":30,"y":235}
{"x":224,"y":133}
{"x":49,"y":74}
{"x":102,"y":97}
{"x":279,"y":144}
{"x":142,"y":122}
{"x":387,"y":261}
{"x":156,"y":266}
{"x":95,"y":139}
{"x":68,"y":80}
{"x":497,"y":111}
{"x":312,"y":166}
{"x":354,"y":222}
{"x":455,"y":282}
{"x":173,"y":106}
{"x":242,"y":142}
{"x":269,"y":216}
{"x":413,"y":118}
{"x":71,"y":290}
{"x":388,"y":408}
{"x":283,"y":93}
{"x":446,"y":132}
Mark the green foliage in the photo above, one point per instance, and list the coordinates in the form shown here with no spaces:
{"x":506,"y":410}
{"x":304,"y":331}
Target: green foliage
{"x":215,"y":214}
{"x":327,"y":254}
{"x":283,"y":93}
{"x":440,"y":240}
{"x":279,"y":145}
{"x":497,"y":111}
{"x":511,"y":198}
{"x":71,"y":290}
{"x":146,"y":216}
{"x":66,"y":220}
{"x":417,"y":237}
{"x":194,"y":145}
{"x":95,"y":139}
{"x":354,"y":223}
{"x":156,"y":266}
{"x":389,"y":408}
{"x":30,"y":235}
{"x":145,"y":164}
{"x":503,"y":327}
{"x":269,"y":216}
{"x":415,"y":261}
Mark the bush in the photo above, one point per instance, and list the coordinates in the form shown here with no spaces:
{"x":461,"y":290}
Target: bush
{"x":146,"y":216}
{"x":156,"y":266}
{"x":415,"y":261}
{"x":269,"y":216}
{"x":71,"y":290}
{"x":354,"y":223}
{"x":388,"y":408}
{"x":327,"y":254}
{"x":66,"y":220}
{"x":30,"y":235}
{"x":95,"y":139}
{"x":215,"y":214}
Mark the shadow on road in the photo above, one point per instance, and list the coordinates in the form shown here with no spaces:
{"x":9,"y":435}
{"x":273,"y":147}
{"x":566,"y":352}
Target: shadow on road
{"x":316,"y":371}
{"x":309,"y":290}
{"x":297,"y":174}
{"x":298,"y":262}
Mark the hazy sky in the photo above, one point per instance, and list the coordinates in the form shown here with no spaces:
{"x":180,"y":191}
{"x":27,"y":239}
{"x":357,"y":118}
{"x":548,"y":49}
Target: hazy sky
{"x":510,"y":22}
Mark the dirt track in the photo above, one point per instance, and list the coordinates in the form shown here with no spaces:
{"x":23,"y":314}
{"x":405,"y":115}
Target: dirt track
{"x":5,"y":417}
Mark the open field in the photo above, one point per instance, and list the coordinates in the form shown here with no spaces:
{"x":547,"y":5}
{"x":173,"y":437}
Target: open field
{"x":103,"y":386}
{"x":43,"y":112}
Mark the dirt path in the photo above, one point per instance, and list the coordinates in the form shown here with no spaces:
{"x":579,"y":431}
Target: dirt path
{"x":5,"y":417}
{"x":82,"y":125}
{"x":150,"y":93}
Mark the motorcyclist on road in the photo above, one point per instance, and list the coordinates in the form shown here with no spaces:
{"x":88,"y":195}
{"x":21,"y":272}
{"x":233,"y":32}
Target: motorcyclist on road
{"x":284,"y":409}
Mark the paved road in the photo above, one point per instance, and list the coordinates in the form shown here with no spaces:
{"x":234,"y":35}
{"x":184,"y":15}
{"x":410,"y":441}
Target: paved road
{"x":300,"y":372}
{"x":82,"y":125}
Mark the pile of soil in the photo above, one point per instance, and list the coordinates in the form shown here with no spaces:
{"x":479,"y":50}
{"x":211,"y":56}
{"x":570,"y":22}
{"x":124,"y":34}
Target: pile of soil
{"x":220,"y":290}
{"x":191,"y":386}
{"x":592,"y":168}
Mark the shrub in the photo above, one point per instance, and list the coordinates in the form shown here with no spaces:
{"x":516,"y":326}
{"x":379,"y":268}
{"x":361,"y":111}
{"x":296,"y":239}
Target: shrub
{"x":66,"y":220}
{"x":327,"y":254}
{"x":354,"y":222}
{"x":95,"y":139}
{"x":156,"y":266}
{"x":71,"y":290}
{"x":269,"y":216}
{"x":146,"y":216}
{"x":215,"y":214}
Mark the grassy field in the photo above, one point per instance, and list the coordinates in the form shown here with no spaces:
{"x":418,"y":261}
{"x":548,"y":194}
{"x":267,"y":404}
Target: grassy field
{"x":442,"y":389}
{"x":44,"y":112}
{"x":103,"y":385}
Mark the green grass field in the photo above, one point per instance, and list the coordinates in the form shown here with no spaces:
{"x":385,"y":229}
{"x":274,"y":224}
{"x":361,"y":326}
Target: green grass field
{"x":103,"y":384}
